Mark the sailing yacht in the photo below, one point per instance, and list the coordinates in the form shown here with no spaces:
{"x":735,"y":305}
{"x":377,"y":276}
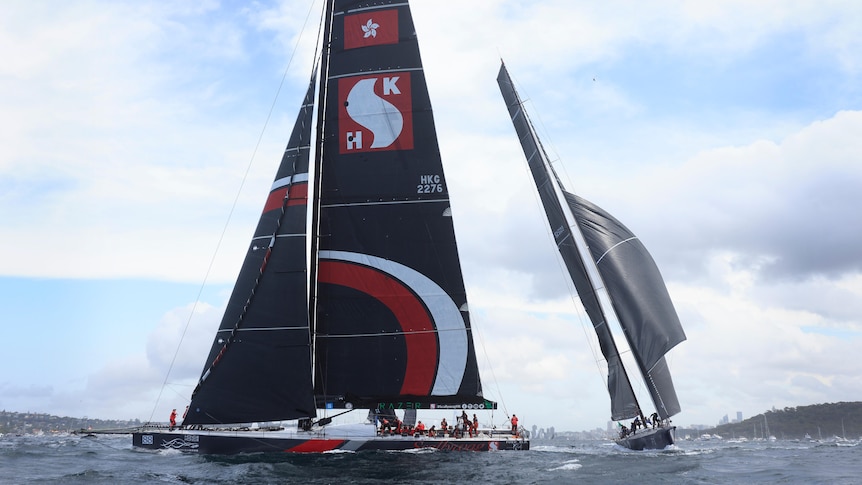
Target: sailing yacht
{"x":616,"y":280}
{"x":363,"y":307}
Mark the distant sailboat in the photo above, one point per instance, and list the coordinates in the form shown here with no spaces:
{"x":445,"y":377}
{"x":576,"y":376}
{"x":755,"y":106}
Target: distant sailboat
{"x":769,"y":436}
{"x":843,"y":441}
{"x":376,"y":316}
{"x":614,"y":275}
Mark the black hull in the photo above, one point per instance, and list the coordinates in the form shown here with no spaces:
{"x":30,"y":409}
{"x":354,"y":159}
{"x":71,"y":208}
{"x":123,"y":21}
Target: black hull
{"x":229,"y":443}
{"x":649,"y":439}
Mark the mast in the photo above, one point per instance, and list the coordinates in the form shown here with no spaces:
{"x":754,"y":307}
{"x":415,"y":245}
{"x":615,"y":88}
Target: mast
{"x":595,"y":278}
{"x":566,"y":234}
{"x":314,"y":229}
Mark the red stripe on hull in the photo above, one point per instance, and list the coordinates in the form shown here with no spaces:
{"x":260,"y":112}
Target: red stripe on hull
{"x":408,"y":310}
{"x":315,"y":446}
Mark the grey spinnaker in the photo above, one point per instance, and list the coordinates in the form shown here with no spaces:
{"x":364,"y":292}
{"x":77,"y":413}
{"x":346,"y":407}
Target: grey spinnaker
{"x":638,"y":294}
{"x":613,"y":274}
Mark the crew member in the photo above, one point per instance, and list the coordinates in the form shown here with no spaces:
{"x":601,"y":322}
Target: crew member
{"x":623,"y":431}
{"x":173,"y":419}
{"x":515,"y":424}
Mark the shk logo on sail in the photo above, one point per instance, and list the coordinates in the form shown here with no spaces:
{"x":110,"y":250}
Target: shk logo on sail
{"x":375,"y":113}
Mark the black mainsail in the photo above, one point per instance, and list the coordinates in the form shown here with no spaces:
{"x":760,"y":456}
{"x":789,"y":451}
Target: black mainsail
{"x":385,"y":324}
{"x":391,"y":322}
{"x":637,"y":293}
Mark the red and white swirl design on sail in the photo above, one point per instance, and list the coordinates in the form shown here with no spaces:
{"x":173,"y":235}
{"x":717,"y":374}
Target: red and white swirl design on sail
{"x":426,"y":313}
{"x":375,"y":113}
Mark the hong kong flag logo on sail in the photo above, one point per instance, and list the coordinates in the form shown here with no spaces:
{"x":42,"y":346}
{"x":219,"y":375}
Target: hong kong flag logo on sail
{"x":367,"y":29}
{"x":375,"y":113}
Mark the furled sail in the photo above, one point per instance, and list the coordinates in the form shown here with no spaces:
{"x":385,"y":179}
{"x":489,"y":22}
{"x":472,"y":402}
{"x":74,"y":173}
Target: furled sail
{"x":259,"y":367}
{"x":391,"y":322}
{"x":623,"y":402}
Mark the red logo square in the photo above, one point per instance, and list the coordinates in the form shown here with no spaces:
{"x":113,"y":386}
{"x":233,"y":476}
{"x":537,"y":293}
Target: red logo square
{"x":372,"y":28}
{"x":375,"y":113}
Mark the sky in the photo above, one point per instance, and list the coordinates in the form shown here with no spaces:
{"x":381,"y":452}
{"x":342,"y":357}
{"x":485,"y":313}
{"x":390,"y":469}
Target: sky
{"x":140,"y":139}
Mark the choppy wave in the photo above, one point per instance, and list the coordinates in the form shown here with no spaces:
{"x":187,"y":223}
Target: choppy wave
{"x":554,"y":449}
{"x":113,"y":460}
{"x":569,"y":465}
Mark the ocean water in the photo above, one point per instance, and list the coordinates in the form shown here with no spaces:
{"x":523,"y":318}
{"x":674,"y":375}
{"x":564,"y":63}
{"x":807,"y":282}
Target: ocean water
{"x":70,"y":459}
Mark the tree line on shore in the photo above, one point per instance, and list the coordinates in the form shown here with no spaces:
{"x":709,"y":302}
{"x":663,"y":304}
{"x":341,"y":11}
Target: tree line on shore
{"x":817,"y":421}
{"x":37,"y":423}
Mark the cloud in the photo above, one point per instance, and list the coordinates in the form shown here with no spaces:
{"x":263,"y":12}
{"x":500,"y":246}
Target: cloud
{"x":723,"y":134}
{"x":786,"y":208}
{"x":18,"y":392}
{"x":145,"y":384}
{"x":746,"y":353}
{"x":750,"y":239}
{"x":117,"y":132}
{"x":194,"y":326}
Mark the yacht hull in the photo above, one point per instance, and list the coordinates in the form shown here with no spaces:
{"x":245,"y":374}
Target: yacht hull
{"x":649,"y":439}
{"x":228,"y":442}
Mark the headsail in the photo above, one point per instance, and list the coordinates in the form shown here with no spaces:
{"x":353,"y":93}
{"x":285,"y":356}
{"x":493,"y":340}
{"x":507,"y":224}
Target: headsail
{"x":259,"y":367}
{"x":391,"y":320}
{"x":637,"y":292}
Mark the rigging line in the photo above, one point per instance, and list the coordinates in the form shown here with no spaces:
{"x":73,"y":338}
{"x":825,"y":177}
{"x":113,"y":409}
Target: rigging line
{"x":478,"y":333}
{"x":230,"y":213}
{"x":589,"y":333}
{"x":549,"y":140}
